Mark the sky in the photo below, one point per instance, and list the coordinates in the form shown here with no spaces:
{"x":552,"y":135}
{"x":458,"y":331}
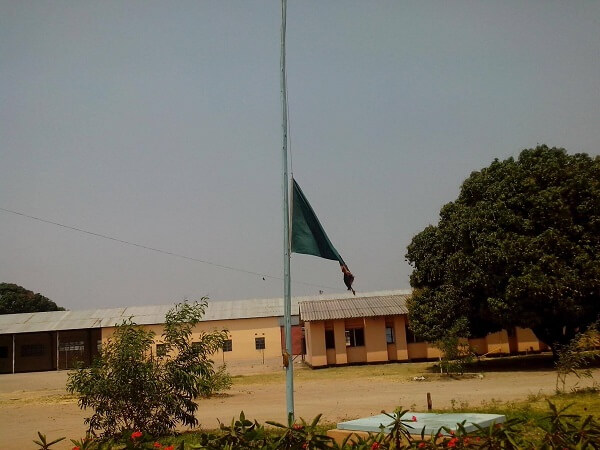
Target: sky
{"x":159,"y":124}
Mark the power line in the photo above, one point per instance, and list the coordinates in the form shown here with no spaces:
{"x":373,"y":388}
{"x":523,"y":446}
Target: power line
{"x":158,"y":250}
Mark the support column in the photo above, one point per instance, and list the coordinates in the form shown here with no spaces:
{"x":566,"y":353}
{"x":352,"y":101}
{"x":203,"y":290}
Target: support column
{"x":13,"y":354}
{"x":339,"y":333}
{"x":57,"y":351}
{"x":400,"y":332}
{"x":375,"y":343}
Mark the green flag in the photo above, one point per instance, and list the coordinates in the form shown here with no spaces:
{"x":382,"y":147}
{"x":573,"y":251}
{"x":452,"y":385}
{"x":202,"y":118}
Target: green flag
{"x":308,"y":235}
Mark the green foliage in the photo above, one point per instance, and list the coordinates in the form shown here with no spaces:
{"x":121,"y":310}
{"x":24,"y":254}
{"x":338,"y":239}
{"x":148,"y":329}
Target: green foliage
{"x":16,"y":299}
{"x":130,"y":389}
{"x":556,"y":430}
{"x":575,"y":357}
{"x":43,"y":443}
{"x":519,"y":247}
{"x":457,"y":354}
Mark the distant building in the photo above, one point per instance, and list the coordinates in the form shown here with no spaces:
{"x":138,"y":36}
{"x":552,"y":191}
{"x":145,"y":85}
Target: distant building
{"x":327,"y":329}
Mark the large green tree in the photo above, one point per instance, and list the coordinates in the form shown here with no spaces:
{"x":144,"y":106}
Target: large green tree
{"x":519,"y":247}
{"x":16,"y":299}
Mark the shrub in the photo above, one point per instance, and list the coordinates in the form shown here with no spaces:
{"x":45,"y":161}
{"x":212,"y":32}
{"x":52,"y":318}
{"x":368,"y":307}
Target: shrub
{"x":457,"y":354}
{"x":129,"y":388}
{"x":575,"y":357}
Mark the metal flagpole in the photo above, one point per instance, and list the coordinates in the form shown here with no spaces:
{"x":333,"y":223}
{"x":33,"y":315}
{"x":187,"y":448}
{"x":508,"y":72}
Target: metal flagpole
{"x":287,"y":295}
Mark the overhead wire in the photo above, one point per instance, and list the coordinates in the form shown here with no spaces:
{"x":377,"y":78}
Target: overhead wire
{"x":158,"y":250}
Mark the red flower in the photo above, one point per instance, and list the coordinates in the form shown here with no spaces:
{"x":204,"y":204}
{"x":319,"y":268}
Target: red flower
{"x":157,"y":445}
{"x":422,"y":445}
{"x":170,"y":447}
{"x":452,"y":442}
{"x":375,"y":446}
{"x":76,"y":448}
{"x":136,"y":434}
{"x":414,"y":418}
{"x":297,"y":426}
{"x":305,"y":445}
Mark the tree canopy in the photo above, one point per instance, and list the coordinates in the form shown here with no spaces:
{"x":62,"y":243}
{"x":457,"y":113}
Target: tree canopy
{"x":519,"y":247}
{"x":16,"y":299}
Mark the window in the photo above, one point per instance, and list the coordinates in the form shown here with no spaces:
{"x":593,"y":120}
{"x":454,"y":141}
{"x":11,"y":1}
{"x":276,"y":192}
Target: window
{"x":4,"y":352}
{"x":355,"y":337}
{"x":411,"y":338}
{"x":259,"y":343}
{"x":228,"y":345}
{"x":390,"y":338}
{"x":329,"y":339}
{"x":74,"y":346}
{"x":32,"y":350}
{"x":161,"y":350}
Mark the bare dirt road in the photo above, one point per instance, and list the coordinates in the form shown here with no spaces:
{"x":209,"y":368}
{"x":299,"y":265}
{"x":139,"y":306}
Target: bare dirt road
{"x":38,"y":401}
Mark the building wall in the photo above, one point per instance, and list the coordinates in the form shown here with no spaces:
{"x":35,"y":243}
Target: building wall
{"x":242,"y":332}
{"x":527,"y":341}
{"x":375,"y":343}
{"x":6,"y":346}
{"x":316,"y":354}
{"x":34,"y":351}
{"x":376,"y":348}
{"x":498,"y":343}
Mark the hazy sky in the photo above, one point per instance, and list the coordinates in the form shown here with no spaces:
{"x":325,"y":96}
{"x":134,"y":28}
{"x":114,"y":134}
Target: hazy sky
{"x":159,"y":123}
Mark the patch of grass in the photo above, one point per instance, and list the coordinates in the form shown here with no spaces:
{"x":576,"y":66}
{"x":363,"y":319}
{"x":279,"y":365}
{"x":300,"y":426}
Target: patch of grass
{"x":396,"y":372}
{"x":40,"y":399}
{"x":584,"y":403}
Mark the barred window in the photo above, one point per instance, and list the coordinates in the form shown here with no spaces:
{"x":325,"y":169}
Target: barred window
{"x":161,"y":349}
{"x":355,"y":337}
{"x":329,"y":339}
{"x":390,"y":338}
{"x":73,"y":346}
{"x":227,"y":345}
{"x":259,"y":343}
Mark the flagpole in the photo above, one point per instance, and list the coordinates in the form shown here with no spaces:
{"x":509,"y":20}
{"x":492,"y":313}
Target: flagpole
{"x":287,"y":294}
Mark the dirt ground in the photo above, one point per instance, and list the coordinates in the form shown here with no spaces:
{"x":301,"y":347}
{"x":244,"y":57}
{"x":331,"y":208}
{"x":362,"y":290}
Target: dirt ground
{"x":38,"y":401}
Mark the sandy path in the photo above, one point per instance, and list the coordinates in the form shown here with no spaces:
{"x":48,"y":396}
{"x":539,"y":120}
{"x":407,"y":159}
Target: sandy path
{"x":31,"y":402}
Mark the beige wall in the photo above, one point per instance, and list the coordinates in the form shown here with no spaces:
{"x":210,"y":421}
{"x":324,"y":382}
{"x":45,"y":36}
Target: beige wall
{"x":527,"y":340}
{"x":375,"y":344}
{"x":377,"y":350}
{"x":497,"y":343}
{"x":339,"y":328}
{"x":422,"y":350}
{"x":479,"y":345}
{"x":400,"y":334}
{"x":242,"y":333}
{"x":315,"y":343}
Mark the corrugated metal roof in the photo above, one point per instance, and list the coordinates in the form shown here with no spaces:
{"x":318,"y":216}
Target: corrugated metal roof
{"x":155,"y":314}
{"x":369,"y":305}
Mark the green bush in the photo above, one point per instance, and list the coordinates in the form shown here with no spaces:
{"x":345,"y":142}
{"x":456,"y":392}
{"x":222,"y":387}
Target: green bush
{"x":129,"y":388}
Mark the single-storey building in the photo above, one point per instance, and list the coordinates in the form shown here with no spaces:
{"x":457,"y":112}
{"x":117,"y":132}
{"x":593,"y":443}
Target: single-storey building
{"x":58,"y":339}
{"x":373,"y":328}
{"x":328,"y":329}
